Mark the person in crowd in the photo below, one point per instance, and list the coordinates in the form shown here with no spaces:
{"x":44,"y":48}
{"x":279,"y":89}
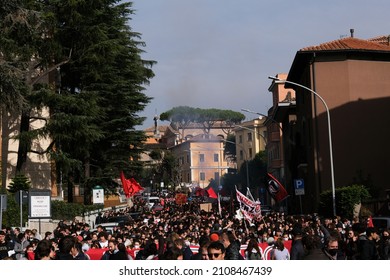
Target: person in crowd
{"x":173,"y":253}
{"x":44,"y":250}
{"x":120,"y":253}
{"x":351,"y":249}
{"x":216,"y":251}
{"x":279,"y":252}
{"x":252,"y":251}
{"x":148,"y":253}
{"x":367,"y":247}
{"x":5,"y":246}
{"x":21,"y":243}
{"x":232,"y":246}
{"x":204,"y":242}
{"x":78,"y":253}
{"x":384,"y":245}
{"x":187,"y":253}
{"x":65,"y":246}
{"x":297,"y":250}
{"x":103,"y":239}
{"x":112,"y":249}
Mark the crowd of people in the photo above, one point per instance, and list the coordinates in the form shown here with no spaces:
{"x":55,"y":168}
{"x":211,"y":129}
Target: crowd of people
{"x":185,"y":232}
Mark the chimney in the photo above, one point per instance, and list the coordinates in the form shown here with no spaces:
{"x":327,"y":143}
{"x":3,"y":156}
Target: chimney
{"x":351,"y":30}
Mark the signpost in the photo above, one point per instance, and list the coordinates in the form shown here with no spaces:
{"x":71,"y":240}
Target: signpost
{"x":40,"y":205}
{"x":3,"y":206}
{"x":299,"y":187}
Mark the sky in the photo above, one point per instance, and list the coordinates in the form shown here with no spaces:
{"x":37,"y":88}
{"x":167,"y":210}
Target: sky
{"x":219,"y":53}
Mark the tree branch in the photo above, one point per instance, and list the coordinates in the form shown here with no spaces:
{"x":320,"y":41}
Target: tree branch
{"x":37,"y":79}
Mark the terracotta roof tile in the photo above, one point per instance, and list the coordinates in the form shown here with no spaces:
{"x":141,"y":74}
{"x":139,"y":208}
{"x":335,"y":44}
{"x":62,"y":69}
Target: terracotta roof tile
{"x":349,"y":43}
{"x":384,"y":40}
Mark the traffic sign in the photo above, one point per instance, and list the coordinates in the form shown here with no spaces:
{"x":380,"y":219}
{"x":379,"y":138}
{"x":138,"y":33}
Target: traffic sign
{"x":299,"y":186}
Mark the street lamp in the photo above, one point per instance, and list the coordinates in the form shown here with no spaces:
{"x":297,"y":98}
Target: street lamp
{"x":278,"y":81}
{"x":265,"y":116}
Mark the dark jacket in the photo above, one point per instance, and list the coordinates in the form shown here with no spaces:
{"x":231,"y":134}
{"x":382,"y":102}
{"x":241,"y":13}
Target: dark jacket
{"x":233,"y":251}
{"x":367,"y":249}
{"x":297,"y":250}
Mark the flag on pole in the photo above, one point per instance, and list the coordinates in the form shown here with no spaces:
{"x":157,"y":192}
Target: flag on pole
{"x":135,"y":187}
{"x":130,"y":186}
{"x":210,"y":191}
{"x":125,"y":184}
{"x":250,"y":209}
{"x":276,"y":189}
{"x":219,"y":205}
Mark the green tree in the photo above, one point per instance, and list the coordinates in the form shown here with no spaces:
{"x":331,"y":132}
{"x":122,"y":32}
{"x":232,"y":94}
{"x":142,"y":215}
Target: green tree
{"x":183,"y":117}
{"x":346,"y":200}
{"x":96,"y":82}
{"x":106,"y":61}
{"x":19,"y":183}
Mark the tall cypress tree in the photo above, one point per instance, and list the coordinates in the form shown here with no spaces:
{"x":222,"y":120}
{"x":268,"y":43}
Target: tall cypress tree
{"x":106,"y":61}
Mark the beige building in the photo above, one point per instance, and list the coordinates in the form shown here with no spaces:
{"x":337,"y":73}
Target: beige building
{"x":251,"y":138}
{"x":38,"y":167}
{"x":200,"y":155}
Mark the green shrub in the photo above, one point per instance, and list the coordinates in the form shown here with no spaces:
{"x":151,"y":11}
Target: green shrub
{"x":346,"y":199}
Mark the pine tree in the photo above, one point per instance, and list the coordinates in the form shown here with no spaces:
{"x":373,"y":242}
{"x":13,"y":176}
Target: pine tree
{"x":19,"y":183}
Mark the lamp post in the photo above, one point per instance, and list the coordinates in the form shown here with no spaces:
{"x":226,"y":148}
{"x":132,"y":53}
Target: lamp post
{"x":278,"y":81}
{"x":263,"y":115}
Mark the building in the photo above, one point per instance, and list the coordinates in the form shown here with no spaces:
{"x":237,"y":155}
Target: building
{"x":200,"y":155}
{"x":251,"y":138}
{"x":283,"y":101}
{"x":351,"y":75}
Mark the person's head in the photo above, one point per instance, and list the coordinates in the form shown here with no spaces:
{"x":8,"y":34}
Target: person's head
{"x":386,"y":234}
{"x":372,"y":233}
{"x":351,"y":234}
{"x":203,"y":250}
{"x":112,"y":245}
{"x":332,"y":245}
{"x":2,"y":236}
{"x":173,"y":253}
{"x":216,"y":251}
{"x":103,"y":236}
{"x":77,"y":248}
{"x":66,"y":244}
{"x":279,"y":244}
{"x":44,"y":250}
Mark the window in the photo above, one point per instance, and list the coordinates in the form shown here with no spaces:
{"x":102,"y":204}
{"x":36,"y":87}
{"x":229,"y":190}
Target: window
{"x":202,"y":176}
{"x":240,"y":139}
{"x":201,"y":157}
{"x":241,"y":155}
{"x":249,"y":136}
{"x":188,"y":159}
{"x":216,"y":158}
{"x":250,"y":152}
{"x":216,"y":177}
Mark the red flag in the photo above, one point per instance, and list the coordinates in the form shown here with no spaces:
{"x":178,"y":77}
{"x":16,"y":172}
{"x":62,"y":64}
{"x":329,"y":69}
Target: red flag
{"x":130,"y":186}
{"x":126,"y":185}
{"x":369,"y":222}
{"x":135,"y":187}
{"x":276,"y":189}
{"x":211,"y":193}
